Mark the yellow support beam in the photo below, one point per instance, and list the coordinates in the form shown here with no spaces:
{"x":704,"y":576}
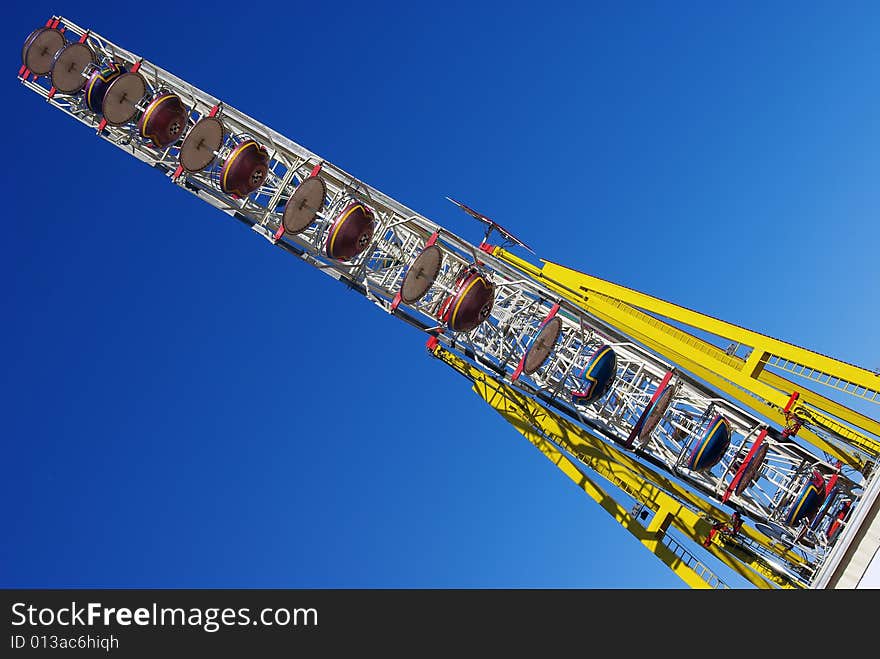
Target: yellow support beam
{"x":662,"y":495}
{"x":764,"y":347}
{"x":696,"y":352}
{"x":687,"y":360}
{"x":728,"y":373}
{"x":691,"y":572}
{"x":820,"y":402}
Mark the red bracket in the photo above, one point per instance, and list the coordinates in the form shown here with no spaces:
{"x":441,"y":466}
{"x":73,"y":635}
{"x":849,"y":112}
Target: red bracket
{"x":177,"y":173}
{"x":136,"y":66}
{"x":736,"y":523}
{"x":51,"y":93}
{"x":519,"y":368}
{"x":446,"y":308}
{"x":317,"y":169}
{"x":486,"y":247}
{"x":277,"y":235}
{"x":102,"y":125}
{"x":214,"y":111}
{"x":742,"y":467}
{"x":715,"y":528}
{"x":84,"y":36}
{"x":838,"y":519}
{"x":732,"y":529}
{"x":793,"y":424}
{"x":432,"y":343}
{"x":833,"y":480}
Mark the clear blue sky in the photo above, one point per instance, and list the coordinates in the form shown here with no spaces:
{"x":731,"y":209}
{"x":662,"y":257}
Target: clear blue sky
{"x":185,"y":406}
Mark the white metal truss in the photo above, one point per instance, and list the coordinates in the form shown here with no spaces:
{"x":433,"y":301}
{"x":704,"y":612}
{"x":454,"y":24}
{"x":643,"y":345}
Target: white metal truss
{"x":520,"y":304}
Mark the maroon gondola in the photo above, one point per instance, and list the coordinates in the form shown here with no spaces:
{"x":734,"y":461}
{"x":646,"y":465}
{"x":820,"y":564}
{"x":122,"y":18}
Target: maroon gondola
{"x":245,"y":169}
{"x":471,"y":303}
{"x":351,"y":232}
{"x":164,"y":119}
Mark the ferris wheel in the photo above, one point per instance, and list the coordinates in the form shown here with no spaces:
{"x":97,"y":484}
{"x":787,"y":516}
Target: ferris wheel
{"x":758,"y":473}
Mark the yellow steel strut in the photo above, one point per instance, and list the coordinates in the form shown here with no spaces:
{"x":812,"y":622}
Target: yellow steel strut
{"x":745,"y":380}
{"x":671,"y":503}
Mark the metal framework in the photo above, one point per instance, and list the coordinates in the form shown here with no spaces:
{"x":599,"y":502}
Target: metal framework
{"x":667,"y":387}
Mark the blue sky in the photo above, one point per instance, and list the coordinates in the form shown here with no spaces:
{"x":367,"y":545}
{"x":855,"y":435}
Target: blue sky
{"x":185,"y":406}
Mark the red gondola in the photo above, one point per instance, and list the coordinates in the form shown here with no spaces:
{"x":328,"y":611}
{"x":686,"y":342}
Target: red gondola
{"x":471,"y":303}
{"x":164,"y":119}
{"x":351,"y":232}
{"x":245,"y":168}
